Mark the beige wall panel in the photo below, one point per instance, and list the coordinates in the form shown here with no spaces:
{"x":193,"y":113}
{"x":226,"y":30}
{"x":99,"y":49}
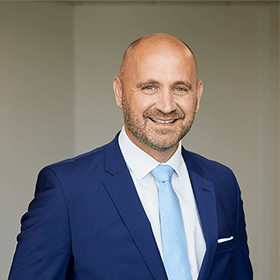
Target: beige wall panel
{"x":36,"y":105}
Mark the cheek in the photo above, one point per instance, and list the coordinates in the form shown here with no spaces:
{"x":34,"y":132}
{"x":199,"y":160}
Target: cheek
{"x":136,"y":108}
{"x":189,"y":106}
{"x":140,"y":105}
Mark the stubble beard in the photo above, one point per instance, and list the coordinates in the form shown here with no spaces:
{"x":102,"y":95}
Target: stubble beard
{"x":139,"y":129}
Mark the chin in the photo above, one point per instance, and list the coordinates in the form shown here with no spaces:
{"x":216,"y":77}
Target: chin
{"x":161,"y":146}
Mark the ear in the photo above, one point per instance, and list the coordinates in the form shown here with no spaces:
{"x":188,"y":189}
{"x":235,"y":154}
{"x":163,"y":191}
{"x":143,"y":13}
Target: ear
{"x":117,"y":86}
{"x":199,"y":90}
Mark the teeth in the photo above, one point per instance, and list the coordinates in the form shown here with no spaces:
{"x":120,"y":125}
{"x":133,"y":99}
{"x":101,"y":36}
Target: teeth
{"x":160,"y":121}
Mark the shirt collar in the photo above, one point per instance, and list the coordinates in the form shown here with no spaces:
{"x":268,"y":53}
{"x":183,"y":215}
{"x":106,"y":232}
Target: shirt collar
{"x":140,"y":162}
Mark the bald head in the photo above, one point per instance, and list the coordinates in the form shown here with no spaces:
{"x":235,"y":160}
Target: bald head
{"x":153,"y":43}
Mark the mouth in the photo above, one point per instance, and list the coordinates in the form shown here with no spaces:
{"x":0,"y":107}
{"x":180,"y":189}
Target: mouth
{"x":163,"y":121}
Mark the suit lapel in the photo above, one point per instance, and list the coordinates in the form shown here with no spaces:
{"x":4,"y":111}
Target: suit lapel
{"x":121,"y":189}
{"x":206,"y":203}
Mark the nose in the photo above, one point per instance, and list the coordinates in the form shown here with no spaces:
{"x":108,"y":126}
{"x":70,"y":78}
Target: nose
{"x":165,"y":101}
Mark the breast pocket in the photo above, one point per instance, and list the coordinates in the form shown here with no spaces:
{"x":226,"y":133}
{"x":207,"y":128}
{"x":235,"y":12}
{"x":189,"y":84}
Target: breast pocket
{"x":227,"y":245}
{"x":222,"y":268}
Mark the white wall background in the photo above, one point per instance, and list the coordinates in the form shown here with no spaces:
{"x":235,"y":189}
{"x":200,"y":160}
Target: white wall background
{"x":56,"y":100}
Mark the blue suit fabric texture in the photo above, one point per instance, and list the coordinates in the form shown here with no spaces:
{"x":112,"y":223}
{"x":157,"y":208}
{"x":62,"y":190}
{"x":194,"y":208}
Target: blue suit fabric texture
{"x":86,"y":221}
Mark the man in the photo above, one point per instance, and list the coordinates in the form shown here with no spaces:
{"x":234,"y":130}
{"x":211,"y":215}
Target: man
{"x":103,"y":215}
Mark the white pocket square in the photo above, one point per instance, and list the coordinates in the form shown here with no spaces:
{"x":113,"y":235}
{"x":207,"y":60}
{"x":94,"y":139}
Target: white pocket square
{"x":221,"y":240}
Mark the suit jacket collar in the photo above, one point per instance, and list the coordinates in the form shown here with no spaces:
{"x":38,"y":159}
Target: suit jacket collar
{"x":120,"y":186}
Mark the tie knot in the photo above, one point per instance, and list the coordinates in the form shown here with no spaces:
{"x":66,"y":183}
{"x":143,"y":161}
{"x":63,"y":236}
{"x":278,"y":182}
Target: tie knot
{"x":163,"y":173}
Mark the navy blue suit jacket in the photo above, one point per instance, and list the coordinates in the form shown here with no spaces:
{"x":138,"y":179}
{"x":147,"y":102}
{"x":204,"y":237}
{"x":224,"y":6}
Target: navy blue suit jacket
{"x":87,"y":222}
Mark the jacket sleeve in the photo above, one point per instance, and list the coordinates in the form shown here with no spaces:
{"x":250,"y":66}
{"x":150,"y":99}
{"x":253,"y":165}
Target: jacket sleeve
{"x":243,"y":269}
{"x":44,"y":243}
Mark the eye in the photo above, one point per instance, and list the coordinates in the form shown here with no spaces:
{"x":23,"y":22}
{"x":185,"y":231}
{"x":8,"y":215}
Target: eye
{"x":180,"y":89}
{"x":150,"y":87}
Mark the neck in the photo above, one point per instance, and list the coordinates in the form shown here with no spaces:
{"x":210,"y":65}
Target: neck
{"x":162,"y":156}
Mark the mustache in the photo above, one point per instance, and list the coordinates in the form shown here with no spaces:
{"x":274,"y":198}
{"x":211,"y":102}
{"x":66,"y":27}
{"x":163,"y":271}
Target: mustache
{"x":156,"y":114}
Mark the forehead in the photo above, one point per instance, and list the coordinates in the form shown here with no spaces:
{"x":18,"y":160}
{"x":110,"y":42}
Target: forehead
{"x":161,"y":58}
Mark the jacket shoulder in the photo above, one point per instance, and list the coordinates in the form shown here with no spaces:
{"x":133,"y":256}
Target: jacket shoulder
{"x":87,"y":158}
{"x":84,"y":164}
{"x":206,"y":167}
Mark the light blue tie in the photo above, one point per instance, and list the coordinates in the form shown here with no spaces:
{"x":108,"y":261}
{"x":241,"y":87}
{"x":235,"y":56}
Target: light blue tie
{"x":173,"y":238}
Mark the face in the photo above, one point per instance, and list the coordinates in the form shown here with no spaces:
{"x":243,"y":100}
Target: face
{"x":159,"y":96}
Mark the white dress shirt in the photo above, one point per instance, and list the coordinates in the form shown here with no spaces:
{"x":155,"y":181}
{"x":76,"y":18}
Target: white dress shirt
{"x":140,"y":164}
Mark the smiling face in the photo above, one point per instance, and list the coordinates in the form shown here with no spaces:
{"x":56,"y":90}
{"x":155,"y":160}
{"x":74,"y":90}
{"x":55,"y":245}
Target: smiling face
{"x":159,"y":93}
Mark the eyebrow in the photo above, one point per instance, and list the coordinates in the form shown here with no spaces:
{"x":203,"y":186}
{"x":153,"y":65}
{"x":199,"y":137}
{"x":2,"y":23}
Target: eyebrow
{"x":184,"y":83}
{"x":147,"y":82}
{"x":154,"y":82}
